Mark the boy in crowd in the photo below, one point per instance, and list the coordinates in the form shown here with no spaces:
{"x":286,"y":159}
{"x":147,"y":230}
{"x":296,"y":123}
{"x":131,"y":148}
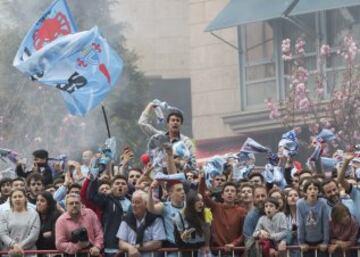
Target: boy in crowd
{"x":271,"y":229}
{"x":312,"y":216}
{"x":228,"y":218}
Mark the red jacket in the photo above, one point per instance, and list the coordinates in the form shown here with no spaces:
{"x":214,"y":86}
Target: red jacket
{"x":85,"y":200}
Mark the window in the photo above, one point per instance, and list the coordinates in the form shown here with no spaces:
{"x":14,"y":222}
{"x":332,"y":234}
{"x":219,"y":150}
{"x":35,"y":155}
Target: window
{"x":292,"y":31}
{"x":263,"y":73}
{"x":339,"y":23}
{"x":259,"y":63}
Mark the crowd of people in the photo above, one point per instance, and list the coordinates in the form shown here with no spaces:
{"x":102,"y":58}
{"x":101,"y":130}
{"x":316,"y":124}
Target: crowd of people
{"x":167,"y":200}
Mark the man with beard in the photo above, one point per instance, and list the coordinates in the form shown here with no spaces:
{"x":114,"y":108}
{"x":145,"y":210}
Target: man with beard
{"x":228,"y":218}
{"x":251,"y":219}
{"x":113,"y":206}
{"x":78,"y":228}
{"x":332,"y":195}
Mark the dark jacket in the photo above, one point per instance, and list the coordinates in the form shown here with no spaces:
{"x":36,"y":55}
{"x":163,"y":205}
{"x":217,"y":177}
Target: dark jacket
{"x":45,"y":171}
{"x":47,"y":225}
{"x":131,"y":221}
{"x":112,"y":213}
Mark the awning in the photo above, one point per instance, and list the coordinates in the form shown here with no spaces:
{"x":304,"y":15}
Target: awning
{"x":308,"y":6}
{"x":238,"y":12}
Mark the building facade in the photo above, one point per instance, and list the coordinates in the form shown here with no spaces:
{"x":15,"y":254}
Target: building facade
{"x":236,"y":64}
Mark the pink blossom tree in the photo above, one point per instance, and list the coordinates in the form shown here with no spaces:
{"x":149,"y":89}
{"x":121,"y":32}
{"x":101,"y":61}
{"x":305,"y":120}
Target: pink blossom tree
{"x":328,"y":105}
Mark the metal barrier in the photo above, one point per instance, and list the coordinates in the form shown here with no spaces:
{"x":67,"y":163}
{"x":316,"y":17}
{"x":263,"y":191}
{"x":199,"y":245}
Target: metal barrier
{"x":216,"y":251}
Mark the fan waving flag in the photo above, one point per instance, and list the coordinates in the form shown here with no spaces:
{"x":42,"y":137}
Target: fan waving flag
{"x":55,"y":22}
{"x":82,"y":65}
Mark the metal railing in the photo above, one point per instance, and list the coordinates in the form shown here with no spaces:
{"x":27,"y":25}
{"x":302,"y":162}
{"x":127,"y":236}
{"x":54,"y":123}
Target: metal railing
{"x":216,"y":252}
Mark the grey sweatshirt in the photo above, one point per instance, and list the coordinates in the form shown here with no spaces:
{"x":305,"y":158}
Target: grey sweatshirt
{"x":276,"y":226}
{"x":19,"y":227}
{"x":313,"y":222}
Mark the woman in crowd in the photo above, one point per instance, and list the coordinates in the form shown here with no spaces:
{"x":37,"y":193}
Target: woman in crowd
{"x":47,"y":209}
{"x":19,"y":226}
{"x":193,"y":224}
{"x":291,"y":196}
{"x":343,"y":231}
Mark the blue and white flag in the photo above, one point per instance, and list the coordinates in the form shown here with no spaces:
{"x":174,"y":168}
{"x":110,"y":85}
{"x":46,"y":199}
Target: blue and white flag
{"x":214,"y":167}
{"x":274,"y":175}
{"x":180,"y":150}
{"x":245,"y":156}
{"x":251,"y":146}
{"x":273,"y":159}
{"x":96,"y":68}
{"x":242,"y":172}
{"x":290,"y":135}
{"x":82,"y":65}
{"x":54,"y":23}
{"x":326,"y":135}
{"x":162,"y":109}
{"x":315,"y":155}
{"x":289,"y":143}
{"x":328,"y":164}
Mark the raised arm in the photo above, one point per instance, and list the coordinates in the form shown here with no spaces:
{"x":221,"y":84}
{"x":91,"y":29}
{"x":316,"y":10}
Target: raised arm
{"x":202,"y":187}
{"x":94,"y":196}
{"x":144,"y":121}
{"x":341,"y":176}
{"x":155,"y":208}
{"x":145,"y":176}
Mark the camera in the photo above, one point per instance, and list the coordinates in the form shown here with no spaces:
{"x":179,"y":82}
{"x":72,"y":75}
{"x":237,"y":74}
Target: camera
{"x":79,"y":235}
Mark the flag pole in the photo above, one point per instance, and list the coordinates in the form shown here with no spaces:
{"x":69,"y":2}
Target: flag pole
{"x":106,"y":120}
